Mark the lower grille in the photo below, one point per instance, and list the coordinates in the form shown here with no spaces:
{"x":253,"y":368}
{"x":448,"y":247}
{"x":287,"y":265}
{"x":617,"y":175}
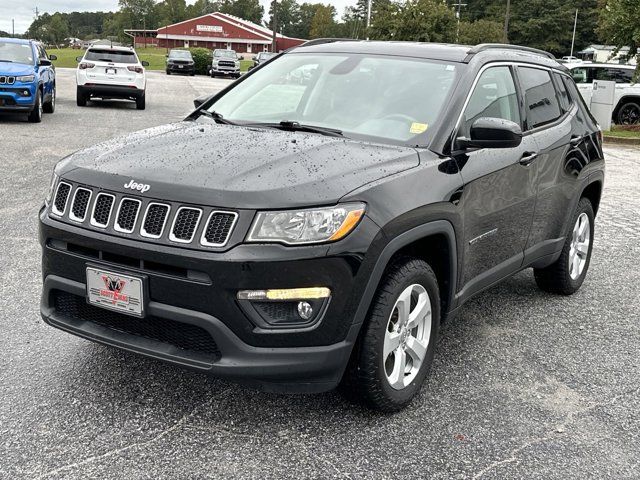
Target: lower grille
{"x":183,"y":336}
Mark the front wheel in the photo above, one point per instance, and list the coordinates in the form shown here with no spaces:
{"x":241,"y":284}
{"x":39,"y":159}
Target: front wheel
{"x":35,"y":116}
{"x":566,"y":275}
{"x":395,"y":352}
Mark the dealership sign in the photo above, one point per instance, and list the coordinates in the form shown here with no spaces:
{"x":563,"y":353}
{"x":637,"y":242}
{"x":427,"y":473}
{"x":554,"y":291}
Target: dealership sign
{"x":209,"y":28}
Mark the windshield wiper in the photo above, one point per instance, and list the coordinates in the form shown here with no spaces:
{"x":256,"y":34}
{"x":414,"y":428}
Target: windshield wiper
{"x":291,"y":126}
{"x":217,"y":117}
{"x":8,"y":61}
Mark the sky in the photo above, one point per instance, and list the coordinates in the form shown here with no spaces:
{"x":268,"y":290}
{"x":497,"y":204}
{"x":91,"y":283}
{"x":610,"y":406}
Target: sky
{"x":23,"y":11}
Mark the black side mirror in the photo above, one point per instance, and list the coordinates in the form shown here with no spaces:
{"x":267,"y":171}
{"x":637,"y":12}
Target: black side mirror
{"x":44,"y":62}
{"x":78,"y":59}
{"x":53,"y":57}
{"x":492,"y":133}
{"x":144,"y":63}
{"x":200,"y":100}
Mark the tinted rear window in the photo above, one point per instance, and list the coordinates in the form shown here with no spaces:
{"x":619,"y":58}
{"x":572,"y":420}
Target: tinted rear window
{"x":539,"y":96}
{"x":113,"y":56}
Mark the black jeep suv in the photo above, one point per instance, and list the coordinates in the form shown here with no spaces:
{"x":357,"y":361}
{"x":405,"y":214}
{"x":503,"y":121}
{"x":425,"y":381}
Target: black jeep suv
{"x":316,"y":221}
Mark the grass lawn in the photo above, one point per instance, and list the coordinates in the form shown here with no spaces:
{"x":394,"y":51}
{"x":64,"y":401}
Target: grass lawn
{"x":155,"y":57}
{"x":622,"y":132}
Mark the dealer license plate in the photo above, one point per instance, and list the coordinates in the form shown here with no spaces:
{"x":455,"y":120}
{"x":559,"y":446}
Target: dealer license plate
{"x":111,"y":71}
{"x":115,"y":291}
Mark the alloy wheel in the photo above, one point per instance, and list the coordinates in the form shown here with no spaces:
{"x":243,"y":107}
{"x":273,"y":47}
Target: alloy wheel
{"x":407,"y":336}
{"x":580,"y":243}
{"x":630,"y":114}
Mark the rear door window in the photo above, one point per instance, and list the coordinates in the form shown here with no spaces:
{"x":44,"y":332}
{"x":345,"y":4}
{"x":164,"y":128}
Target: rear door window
{"x":111,"y":56}
{"x":540,"y":99}
{"x":565,"y":100}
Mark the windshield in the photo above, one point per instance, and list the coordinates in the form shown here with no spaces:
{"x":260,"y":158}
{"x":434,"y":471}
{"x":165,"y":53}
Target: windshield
{"x":225,"y":53}
{"x":113,"y":56}
{"x":16,"y":53}
{"x":393,"y":98}
{"x":182,"y":54}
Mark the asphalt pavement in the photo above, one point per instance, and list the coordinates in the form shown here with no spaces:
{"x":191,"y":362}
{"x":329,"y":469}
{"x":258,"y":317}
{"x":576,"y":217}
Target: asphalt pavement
{"x":524,"y":384}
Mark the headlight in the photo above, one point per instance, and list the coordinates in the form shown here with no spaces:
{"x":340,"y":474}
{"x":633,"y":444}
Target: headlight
{"x":54,"y":180}
{"x":26,"y":78}
{"x":298,"y":227}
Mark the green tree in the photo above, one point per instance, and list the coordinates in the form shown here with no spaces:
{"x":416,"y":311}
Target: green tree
{"x":171,"y":11}
{"x":480,"y":31}
{"x":202,"y":7}
{"x":247,"y":9}
{"x":323,"y":23}
{"x":57,"y":29}
{"x":416,"y":20}
{"x":288,"y":16}
{"x":139,"y":13}
{"x":619,"y":25}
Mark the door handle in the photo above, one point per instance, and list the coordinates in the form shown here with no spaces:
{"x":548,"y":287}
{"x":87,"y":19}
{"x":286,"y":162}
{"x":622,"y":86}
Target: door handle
{"x":528,"y":158}
{"x":575,"y":141}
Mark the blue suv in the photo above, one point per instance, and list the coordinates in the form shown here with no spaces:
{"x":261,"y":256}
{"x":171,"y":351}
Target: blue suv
{"x":27,"y":78}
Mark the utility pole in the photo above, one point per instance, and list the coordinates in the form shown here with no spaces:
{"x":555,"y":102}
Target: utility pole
{"x":274,"y":46}
{"x":573,"y":39}
{"x":505,"y":37}
{"x":458,"y":6}
{"x":13,"y":27}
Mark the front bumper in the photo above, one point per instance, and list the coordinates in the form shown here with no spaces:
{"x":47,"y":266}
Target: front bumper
{"x":297,"y":360}
{"x":181,"y":68}
{"x":12,"y":97}
{"x":111,"y":91}
{"x":226,"y":71}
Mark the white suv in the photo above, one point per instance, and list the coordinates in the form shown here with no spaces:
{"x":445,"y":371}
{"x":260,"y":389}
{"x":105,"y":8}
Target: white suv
{"x":111,"y":72}
{"x":626,"y":109}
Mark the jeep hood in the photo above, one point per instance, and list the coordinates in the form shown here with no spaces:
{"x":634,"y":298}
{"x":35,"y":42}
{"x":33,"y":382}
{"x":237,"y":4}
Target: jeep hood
{"x":236,"y":167}
{"x":15,"y":69}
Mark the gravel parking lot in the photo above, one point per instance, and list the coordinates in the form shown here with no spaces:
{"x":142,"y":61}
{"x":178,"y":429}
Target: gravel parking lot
{"x":524,"y":385}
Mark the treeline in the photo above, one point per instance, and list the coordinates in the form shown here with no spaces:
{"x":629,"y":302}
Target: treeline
{"x":545,"y":24}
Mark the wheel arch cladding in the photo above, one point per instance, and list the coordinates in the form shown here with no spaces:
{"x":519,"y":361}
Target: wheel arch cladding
{"x":593,"y":192}
{"x":433,"y":242}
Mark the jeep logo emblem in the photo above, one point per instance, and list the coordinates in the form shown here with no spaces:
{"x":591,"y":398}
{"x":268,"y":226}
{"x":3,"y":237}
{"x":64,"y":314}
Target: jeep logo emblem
{"x":140,"y":187}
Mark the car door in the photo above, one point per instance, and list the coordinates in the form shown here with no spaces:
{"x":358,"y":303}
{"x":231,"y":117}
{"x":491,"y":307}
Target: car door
{"x":498,"y":196}
{"x":46,"y":73}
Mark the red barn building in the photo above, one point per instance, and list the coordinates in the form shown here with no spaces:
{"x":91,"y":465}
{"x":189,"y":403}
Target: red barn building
{"x":215,"y":30}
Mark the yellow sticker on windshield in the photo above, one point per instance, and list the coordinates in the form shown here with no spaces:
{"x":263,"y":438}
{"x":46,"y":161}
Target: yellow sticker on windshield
{"x":418,"y":127}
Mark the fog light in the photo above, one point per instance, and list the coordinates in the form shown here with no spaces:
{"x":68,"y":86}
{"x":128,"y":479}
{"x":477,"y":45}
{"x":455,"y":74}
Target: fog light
{"x":305,"y":310}
{"x":285,"y":294}
{"x":26,"y":93}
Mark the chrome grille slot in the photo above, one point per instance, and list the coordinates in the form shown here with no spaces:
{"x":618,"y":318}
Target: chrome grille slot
{"x":127,"y":215}
{"x":60,"y":200}
{"x":218,"y":228}
{"x":80,"y":204}
{"x":185,"y":224}
{"x":155,"y":218}
{"x":102,"y":210}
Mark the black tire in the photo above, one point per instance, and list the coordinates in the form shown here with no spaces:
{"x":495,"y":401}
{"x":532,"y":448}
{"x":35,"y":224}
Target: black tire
{"x":366,"y":378}
{"x":81,"y":98}
{"x":191,"y":74}
{"x":556,"y":278}
{"x":50,"y":106}
{"x":35,"y":116}
{"x":628,"y":114}
{"x":140,"y":102}
{"x":168,"y":72}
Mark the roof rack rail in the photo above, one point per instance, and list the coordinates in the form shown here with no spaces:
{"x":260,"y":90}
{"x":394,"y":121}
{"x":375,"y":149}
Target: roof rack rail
{"x":505,"y":46}
{"x":320,"y":41}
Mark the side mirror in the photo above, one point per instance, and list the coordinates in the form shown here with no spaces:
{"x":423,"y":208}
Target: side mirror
{"x":492,"y":133}
{"x":44,"y":62}
{"x":53,"y":57}
{"x":78,"y":59}
{"x":200,"y":100}
{"x":166,"y":55}
{"x":240,"y":58}
{"x":144,"y":63}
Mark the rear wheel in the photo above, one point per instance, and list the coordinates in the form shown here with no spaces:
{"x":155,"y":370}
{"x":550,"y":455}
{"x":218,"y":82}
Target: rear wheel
{"x":50,"y":106}
{"x":140,"y":102}
{"x":395,"y":352}
{"x":566,"y":275}
{"x":35,"y":116}
{"x":168,"y":72}
{"x":629,"y":114}
{"x":81,"y":98}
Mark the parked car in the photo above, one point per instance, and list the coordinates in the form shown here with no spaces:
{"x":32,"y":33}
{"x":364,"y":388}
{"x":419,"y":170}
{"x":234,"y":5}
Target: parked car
{"x":226,"y":63}
{"x":27,"y":78}
{"x":570,"y":59}
{"x":111,"y":72}
{"x":626,"y":109}
{"x":262,"y":57}
{"x":180,"y":61}
{"x":296,"y":236}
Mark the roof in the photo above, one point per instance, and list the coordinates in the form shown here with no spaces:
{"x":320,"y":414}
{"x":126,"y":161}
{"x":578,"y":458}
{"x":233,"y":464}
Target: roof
{"x":22,"y":41}
{"x":595,"y":64}
{"x":433,"y":51}
{"x":109,"y":47}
